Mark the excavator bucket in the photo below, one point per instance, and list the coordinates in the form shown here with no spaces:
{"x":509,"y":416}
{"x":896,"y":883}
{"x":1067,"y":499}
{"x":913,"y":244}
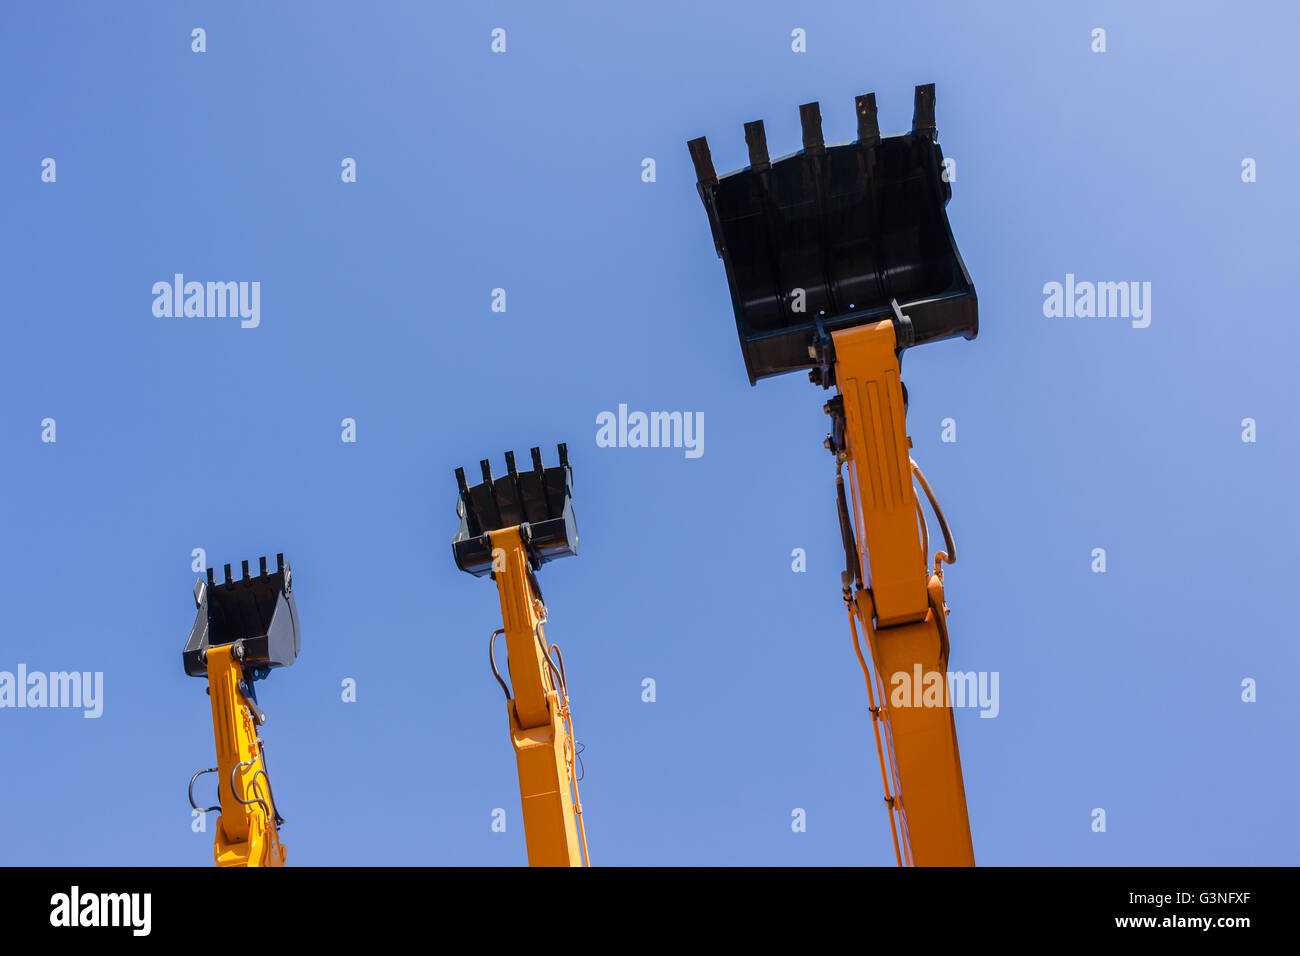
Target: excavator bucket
{"x":539,"y":501}
{"x":259,"y":611}
{"x":837,"y":236}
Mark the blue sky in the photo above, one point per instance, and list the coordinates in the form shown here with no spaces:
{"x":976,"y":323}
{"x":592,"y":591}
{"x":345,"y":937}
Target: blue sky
{"x":522,"y":171}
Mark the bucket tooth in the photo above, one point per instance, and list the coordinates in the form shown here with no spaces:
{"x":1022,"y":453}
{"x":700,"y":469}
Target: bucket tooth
{"x":538,"y":502}
{"x":868,"y":123}
{"x":810,"y":119}
{"x":923,"y":110}
{"x":258,"y":611}
{"x":702,"y":160}
{"x":756,"y":140}
{"x":861,"y":228}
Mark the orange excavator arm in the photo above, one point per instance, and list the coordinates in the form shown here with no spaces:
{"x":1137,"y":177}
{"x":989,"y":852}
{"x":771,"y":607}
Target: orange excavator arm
{"x":838,"y":258}
{"x":509,"y":527}
{"x":540,"y":725}
{"x":245,"y":628}
{"x":900,"y":604}
{"x":248,"y":830}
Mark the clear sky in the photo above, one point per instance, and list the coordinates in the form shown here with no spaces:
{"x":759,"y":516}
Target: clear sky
{"x":523,"y":171}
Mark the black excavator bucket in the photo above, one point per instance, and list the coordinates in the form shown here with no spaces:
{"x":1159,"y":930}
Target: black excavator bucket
{"x":836,"y":236}
{"x":260,"y":611}
{"x":540,"y":502}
